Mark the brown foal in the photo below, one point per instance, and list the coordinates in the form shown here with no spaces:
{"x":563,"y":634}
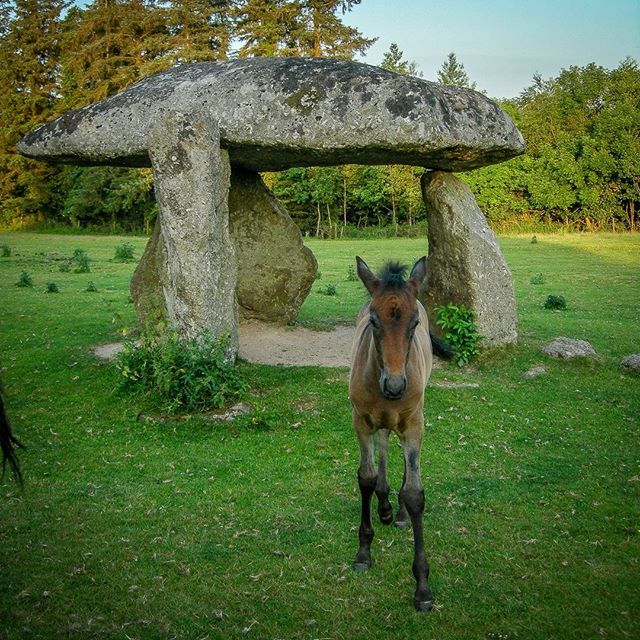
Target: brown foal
{"x":390,"y":366}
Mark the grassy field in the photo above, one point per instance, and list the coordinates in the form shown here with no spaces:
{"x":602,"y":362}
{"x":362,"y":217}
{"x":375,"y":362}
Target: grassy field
{"x":135,"y":529}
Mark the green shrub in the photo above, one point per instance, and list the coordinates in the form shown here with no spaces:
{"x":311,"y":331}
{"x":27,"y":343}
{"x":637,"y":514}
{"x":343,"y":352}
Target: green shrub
{"x":24,"y":280}
{"x":537,"y":279}
{"x":329,"y":290}
{"x":460,"y":331}
{"x":318,"y":275}
{"x":555,"y":302}
{"x":5,"y":251}
{"x":65,"y":266}
{"x":351,"y":274}
{"x":534,"y":240}
{"x":52,"y":287}
{"x":185,"y":375}
{"x":91,"y":287}
{"x":81,"y":260}
{"x":124,"y":252}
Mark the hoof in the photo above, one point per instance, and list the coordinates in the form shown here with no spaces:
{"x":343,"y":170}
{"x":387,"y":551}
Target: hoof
{"x":361,"y":567}
{"x":423,"y":605}
{"x":386,"y":519}
{"x":402,"y":524}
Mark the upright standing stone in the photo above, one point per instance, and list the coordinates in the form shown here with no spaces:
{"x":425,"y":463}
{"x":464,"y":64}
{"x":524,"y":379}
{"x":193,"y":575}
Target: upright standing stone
{"x":275,"y":269}
{"x":465,"y":265}
{"x":191,"y":178}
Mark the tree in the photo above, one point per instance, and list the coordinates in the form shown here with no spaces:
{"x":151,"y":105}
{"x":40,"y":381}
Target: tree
{"x":310,"y":28}
{"x":452,"y":73}
{"x":199,"y":30}
{"x":392,"y":60}
{"x":29,"y":60}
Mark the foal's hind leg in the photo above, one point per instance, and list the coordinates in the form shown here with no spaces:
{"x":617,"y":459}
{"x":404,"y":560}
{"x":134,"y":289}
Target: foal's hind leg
{"x":367,"y":481}
{"x":385,"y":510}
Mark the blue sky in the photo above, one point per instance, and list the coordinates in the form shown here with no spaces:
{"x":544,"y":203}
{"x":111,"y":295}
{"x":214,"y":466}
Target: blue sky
{"x":502,"y":43}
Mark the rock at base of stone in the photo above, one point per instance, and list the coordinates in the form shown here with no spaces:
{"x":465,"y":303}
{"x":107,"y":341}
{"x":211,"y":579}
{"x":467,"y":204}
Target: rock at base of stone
{"x":534,"y":372}
{"x":275,"y":269}
{"x":465,"y":265}
{"x":568,"y":348}
{"x":631,"y":362}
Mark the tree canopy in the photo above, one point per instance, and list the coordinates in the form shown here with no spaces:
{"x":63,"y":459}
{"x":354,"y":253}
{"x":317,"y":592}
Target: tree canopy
{"x":582,"y":168}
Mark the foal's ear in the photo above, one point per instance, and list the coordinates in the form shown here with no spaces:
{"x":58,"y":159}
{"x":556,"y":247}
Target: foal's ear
{"x":418,"y":274}
{"x":364,"y":273}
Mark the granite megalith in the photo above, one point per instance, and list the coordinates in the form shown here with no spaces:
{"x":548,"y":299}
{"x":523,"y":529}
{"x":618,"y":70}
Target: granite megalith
{"x":465,"y":265}
{"x":275,"y":269}
{"x":193,"y":122}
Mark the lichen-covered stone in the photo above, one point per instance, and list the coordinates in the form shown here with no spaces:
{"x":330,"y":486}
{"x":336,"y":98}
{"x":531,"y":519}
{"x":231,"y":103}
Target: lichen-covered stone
{"x":465,"y":265}
{"x":275,"y":269}
{"x":275,"y":113}
{"x":198,"y":278}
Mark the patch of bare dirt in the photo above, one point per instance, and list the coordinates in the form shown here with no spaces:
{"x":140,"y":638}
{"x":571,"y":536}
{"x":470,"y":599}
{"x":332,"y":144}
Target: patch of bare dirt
{"x":287,"y":346}
{"x":295,"y":346}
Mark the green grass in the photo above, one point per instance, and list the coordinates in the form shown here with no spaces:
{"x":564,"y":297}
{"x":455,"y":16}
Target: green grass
{"x":133,"y":529}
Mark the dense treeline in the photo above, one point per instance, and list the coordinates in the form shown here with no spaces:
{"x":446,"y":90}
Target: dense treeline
{"x":582,"y":127}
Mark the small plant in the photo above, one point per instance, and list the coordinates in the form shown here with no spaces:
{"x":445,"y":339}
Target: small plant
{"x":351,"y":274}
{"x":65,"y":266}
{"x":534,"y":240}
{"x":81,"y":260}
{"x":52,"y":287}
{"x":555,"y":302}
{"x":329,"y":290}
{"x":91,"y":287}
{"x":24,"y":280}
{"x":5,"y":251}
{"x":185,"y":375}
{"x":318,"y":275}
{"x":124,"y":252}
{"x":537,"y":279}
{"x":460,"y":331}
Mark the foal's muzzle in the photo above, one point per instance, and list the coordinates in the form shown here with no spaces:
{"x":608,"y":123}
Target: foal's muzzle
{"x":393,"y":387}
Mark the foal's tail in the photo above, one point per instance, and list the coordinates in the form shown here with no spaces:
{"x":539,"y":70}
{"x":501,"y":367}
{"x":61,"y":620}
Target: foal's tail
{"x":9,"y":443}
{"x":441,"y":348}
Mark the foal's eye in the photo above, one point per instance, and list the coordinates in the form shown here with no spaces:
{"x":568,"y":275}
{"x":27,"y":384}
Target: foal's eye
{"x":374,"y":322}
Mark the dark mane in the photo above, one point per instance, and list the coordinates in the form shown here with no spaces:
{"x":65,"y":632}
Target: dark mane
{"x":392,"y":275}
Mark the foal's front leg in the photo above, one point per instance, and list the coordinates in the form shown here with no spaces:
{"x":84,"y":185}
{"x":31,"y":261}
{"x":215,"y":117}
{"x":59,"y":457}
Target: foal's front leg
{"x":413,"y":498}
{"x":385,"y":510}
{"x":367,"y":478}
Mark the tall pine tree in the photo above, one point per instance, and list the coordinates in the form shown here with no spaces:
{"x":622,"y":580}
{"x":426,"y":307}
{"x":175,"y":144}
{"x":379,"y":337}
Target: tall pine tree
{"x":452,"y":73}
{"x":29,"y":63}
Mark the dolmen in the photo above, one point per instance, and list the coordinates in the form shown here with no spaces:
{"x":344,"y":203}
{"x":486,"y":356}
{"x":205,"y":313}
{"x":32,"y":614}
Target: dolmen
{"x":223,"y":241}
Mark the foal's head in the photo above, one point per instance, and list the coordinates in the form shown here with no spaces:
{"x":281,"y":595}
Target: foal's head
{"x":393,"y":318}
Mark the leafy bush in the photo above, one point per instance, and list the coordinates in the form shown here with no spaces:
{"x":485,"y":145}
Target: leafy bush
{"x":460,"y":331}
{"x":534,"y":240}
{"x":65,"y":266}
{"x":5,"y":251}
{"x":124,"y":252}
{"x":81,"y":260}
{"x":537,"y":279}
{"x":185,"y":375}
{"x":24,"y":280}
{"x":555,"y":302}
{"x":91,"y":287}
{"x":329,"y":290}
{"x":52,"y":287}
{"x":351,"y":274}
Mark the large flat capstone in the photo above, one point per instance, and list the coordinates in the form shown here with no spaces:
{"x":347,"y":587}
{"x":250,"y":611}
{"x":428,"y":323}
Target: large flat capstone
{"x":275,"y":113}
